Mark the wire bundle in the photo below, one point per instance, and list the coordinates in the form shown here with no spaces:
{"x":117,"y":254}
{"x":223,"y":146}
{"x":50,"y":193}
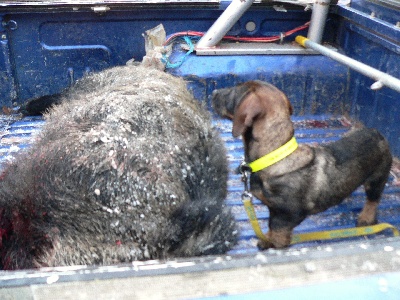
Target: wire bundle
{"x":266,"y":39}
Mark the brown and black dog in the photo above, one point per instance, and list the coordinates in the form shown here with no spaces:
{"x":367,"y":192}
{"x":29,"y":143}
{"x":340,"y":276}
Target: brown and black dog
{"x":311,"y":179}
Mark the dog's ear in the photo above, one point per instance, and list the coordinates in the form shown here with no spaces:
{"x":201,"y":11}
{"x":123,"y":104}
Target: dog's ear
{"x":290,"y":107}
{"x":245,"y":115}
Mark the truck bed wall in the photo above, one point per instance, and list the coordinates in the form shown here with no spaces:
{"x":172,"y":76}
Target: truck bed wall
{"x":370,"y":33}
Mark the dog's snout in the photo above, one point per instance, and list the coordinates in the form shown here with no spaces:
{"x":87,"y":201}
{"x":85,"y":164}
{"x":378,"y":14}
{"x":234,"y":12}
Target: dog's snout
{"x":215,"y":96}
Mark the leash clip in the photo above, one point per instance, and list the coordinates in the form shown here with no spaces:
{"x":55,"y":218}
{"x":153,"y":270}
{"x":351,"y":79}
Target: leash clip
{"x":245,"y":170}
{"x":247,"y":199}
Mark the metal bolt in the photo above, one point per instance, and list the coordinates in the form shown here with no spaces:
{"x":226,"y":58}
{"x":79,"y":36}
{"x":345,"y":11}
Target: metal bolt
{"x":100,"y":9}
{"x":250,"y":26}
{"x":377,"y":85}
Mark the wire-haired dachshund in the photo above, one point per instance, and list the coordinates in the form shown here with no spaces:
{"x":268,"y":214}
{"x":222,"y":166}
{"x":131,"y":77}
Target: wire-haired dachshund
{"x":310,"y":179}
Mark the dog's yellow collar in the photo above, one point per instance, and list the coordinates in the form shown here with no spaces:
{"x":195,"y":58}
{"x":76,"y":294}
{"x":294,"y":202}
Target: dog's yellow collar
{"x":274,"y":156}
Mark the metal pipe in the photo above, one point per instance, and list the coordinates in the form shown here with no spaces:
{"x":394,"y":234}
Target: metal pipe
{"x":318,"y":20}
{"x":224,"y":23}
{"x":381,"y":78}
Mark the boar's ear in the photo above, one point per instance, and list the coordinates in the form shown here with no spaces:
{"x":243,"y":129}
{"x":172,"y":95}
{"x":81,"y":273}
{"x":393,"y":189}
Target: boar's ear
{"x":245,"y":115}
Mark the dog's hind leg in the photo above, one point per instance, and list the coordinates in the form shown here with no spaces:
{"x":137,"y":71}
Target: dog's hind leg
{"x":368,"y":214}
{"x":375,"y":183}
{"x":374,"y":190}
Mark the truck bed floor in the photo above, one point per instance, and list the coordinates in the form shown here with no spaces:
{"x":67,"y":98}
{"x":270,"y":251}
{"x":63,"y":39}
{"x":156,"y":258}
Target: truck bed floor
{"x":16,"y":134}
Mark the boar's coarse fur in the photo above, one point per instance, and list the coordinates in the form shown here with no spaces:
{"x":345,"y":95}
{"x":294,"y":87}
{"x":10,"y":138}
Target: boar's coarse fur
{"x":126,"y":168}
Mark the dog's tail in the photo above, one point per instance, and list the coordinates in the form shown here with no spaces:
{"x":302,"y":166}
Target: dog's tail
{"x":202,"y":227}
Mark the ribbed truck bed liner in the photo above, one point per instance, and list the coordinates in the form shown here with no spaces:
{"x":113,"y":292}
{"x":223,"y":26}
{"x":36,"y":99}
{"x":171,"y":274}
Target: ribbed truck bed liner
{"x":16,"y":134}
{"x":315,"y":267}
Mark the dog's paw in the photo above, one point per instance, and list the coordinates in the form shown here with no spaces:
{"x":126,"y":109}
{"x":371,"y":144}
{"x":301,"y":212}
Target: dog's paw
{"x":264,"y":245}
{"x":362,"y":223}
{"x":278,"y":239}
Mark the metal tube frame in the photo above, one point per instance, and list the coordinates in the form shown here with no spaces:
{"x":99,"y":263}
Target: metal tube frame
{"x":381,"y":78}
{"x":318,"y":20}
{"x":238,"y":7}
{"x":224,"y":23}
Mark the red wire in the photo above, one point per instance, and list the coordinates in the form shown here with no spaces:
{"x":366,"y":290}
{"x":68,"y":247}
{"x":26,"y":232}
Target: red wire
{"x":241,"y":39}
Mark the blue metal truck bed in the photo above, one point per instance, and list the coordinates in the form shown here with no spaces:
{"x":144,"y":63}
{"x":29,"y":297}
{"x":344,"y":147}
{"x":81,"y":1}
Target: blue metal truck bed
{"x":46,"y":46}
{"x":331,"y":268}
{"x":17,"y":134}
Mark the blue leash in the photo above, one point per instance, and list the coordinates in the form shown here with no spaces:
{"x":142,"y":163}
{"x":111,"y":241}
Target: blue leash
{"x":170,"y":65}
